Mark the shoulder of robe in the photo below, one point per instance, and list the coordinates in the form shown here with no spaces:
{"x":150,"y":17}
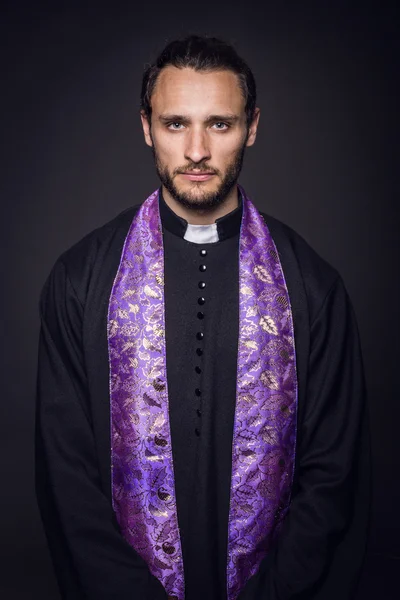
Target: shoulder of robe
{"x":302,"y":265}
{"x":103,"y":243}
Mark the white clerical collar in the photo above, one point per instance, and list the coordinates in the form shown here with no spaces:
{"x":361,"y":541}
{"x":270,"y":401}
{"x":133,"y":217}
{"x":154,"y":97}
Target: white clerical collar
{"x":223,"y":228}
{"x":201,"y":234}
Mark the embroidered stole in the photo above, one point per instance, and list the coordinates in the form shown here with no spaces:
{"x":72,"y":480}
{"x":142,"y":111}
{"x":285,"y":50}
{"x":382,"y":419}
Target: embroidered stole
{"x":264,"y":434}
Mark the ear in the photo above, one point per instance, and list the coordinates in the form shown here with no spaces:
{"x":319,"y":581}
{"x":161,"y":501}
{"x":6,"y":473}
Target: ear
{"x":251,"y":138}
{"x":146,"y":128}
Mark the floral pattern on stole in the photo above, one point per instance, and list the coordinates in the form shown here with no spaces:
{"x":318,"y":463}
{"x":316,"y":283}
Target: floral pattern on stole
{"x":264,"y":435}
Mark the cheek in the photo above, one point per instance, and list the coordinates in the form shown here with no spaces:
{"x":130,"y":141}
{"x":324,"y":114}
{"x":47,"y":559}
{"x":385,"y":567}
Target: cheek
{"x":228,"y":154}
{"x":226,"y":148}
{"x":167,"y":149}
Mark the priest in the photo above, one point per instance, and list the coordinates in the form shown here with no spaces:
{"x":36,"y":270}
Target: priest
{"x":201,"y":415}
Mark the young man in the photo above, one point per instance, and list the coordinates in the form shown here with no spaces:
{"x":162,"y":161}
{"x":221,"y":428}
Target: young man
{"x":202,"y":426}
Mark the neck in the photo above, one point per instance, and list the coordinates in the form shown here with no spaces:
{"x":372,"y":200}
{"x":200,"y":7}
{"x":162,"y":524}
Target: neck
{"x":198,"y":216}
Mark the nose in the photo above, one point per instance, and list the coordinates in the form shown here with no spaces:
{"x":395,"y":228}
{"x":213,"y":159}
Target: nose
{"x":197,"y":147}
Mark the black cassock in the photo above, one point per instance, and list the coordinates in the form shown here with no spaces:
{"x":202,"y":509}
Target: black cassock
{"x":321,"y":548}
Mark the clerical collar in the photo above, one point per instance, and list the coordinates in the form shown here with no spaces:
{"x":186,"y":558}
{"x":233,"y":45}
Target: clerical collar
{"x":223,"y":228}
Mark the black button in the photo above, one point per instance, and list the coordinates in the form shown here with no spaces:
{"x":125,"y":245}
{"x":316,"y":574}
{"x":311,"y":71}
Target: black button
{"x":199,"y":335}
{"x":197,"y":392}
{"x":198,"y":412}
{"x":202,"y":268}
{"x":199,"y":351}
{"x":203,"y":252}
{"x":202,"y":285}
{"x":201,"y":301}
{"x":198,"y":370}
{"x":197,"y":432}
{"x":200,"y":315}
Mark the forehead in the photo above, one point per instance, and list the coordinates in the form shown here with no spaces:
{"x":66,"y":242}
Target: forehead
{"x":186,"y":90}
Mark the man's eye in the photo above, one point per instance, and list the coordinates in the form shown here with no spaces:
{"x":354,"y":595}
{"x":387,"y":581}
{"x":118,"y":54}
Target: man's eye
{"x":174,"y":125}
{"x":221,"y":126}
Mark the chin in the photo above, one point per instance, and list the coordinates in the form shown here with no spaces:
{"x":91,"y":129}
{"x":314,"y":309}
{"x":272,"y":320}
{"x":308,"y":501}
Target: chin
{"x":200,"y":195}
{"x":197,"y":188}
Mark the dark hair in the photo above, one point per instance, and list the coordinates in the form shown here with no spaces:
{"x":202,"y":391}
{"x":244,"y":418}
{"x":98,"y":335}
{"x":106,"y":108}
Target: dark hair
{"x":200,"y":53}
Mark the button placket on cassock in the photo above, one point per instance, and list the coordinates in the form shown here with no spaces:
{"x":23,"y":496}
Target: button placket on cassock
{"x":200,"y":335}
{"x":202,"y":483}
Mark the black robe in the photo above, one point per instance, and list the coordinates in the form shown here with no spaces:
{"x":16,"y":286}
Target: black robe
{"x":321,"y":548}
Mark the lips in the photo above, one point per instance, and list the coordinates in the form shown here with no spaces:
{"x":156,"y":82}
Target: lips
{"x":197,"y":176}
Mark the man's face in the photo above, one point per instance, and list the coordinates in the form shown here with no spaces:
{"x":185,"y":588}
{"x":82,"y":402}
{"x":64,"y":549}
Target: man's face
{"x":198,"y":134}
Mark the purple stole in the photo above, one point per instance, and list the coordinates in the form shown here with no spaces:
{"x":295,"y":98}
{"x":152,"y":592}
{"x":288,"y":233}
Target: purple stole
{"x":264,"y":435}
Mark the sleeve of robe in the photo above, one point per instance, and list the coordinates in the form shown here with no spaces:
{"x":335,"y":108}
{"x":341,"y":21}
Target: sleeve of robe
{"x":320,"y":551}
{"x":91,"y":559}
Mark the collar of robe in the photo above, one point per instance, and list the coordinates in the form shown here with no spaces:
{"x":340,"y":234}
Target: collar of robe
{"x":264,"y":434}
{"x":223,"y":228}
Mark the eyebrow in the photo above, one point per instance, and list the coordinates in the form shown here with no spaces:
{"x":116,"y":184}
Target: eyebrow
{"x":170,"y":118}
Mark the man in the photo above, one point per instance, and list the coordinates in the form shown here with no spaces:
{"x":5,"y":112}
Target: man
{"x":201,"y":426}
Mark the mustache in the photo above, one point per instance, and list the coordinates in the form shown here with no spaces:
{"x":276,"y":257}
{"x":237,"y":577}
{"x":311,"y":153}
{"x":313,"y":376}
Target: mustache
{"x":196,"y":167}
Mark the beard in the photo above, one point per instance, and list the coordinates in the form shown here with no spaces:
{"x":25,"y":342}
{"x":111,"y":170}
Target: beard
{"x":201,"y":199}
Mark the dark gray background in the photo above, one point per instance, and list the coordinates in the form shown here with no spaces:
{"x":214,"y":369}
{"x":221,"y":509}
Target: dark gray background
{"x":325,"y":162}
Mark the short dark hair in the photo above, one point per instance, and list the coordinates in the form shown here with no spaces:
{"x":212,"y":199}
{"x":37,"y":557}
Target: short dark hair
{"x":201,"y":53}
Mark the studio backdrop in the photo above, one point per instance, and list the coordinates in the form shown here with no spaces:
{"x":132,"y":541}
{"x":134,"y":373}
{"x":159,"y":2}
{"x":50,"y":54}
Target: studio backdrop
{"x":325,"y":162}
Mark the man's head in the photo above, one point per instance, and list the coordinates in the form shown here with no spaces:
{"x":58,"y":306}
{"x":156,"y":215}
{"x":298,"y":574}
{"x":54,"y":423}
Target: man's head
{"x":199,"y":113}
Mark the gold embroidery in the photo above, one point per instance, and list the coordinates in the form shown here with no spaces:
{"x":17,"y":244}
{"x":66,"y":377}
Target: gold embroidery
{"x":128,"y":346}
{"x":269,"y":380}
{"x":129,"y":292}
{"x":157,"y":424}
{"x":112,"y":328}
{"x":246,"y":290}
{"x":268,"y":324}
{"x":256,"y":420}
{"x":158,"y":331}
{"x":251,"y":311}
{"x":251,"y":344}
{"x":123,"y":314}
{"x":157,"y":512}
{"x":270,"y":435}
{"x":153,"y":457}
{"x":148,"y":345}
{"x":150,"y":292}
{"x":262,"y":274}
{"x":249,"y":330}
